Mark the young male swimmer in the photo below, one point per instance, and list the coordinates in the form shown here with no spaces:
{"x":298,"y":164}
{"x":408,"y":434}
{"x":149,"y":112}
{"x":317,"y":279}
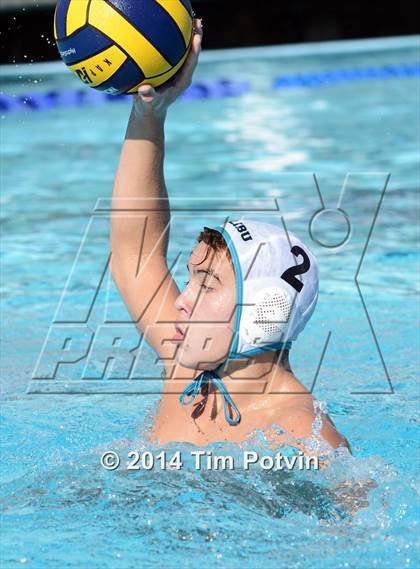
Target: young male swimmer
{"x":252,"y":289}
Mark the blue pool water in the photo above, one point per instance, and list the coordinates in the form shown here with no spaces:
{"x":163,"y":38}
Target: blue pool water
{"x":254,"y":154}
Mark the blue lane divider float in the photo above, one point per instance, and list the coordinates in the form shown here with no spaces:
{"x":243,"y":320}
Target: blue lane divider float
{"x":204,"y":89}
{"x":339,"y":75}
{"x":78,"y":97}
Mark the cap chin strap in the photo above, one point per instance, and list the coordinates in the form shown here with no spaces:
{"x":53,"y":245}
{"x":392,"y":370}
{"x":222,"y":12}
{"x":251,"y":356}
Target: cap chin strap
{"x":194,"y":388}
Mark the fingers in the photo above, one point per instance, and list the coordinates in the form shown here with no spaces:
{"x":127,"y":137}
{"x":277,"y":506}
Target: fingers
{"x":195,"y":45}
{"x":195,"y":49}
{"x":146,"y":92}
{"x":198,"y":36}
{"x":170,"y":90}
{"x":187,"y":70}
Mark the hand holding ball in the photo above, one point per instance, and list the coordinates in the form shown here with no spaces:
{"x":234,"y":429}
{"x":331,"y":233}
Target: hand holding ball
{"x":117,"y":45}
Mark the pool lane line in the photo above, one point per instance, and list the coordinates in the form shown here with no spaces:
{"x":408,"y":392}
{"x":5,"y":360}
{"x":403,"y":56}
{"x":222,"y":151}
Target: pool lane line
{"x":208,"y":89}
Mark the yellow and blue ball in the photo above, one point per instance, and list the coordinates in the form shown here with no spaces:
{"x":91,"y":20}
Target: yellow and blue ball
{"x":116,"y":45}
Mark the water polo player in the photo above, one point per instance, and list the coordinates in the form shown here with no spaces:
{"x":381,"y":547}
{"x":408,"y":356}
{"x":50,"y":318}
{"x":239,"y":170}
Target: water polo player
{"x":252,"y":288}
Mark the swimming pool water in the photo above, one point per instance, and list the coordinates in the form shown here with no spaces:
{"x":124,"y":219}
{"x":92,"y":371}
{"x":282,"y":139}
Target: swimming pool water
{"x":60,"y":507}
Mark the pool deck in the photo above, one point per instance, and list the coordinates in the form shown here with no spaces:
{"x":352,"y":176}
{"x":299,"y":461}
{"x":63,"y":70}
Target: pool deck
{"x":235,"y":54}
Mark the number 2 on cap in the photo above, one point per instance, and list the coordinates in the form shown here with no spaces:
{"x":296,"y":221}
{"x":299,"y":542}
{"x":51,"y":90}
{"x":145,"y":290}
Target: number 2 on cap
{"x":289,"y":275}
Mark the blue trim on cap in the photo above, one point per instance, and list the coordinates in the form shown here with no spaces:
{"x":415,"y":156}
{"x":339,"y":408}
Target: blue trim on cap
{"x":239,"y":287}
{"x":268,"y":348}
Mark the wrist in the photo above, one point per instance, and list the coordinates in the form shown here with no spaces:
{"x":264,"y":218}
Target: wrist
{"x":149,"y":111}
{"x":151,"y":115}
{"x":146,"y":124}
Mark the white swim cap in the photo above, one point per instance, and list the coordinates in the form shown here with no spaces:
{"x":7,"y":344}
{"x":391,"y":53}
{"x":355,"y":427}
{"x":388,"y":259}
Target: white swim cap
{"x":276,"y":285}
{"x":276,"y":292}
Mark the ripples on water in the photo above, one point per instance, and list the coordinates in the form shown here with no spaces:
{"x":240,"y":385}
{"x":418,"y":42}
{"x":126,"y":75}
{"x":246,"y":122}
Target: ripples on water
{"x":233,"y":516}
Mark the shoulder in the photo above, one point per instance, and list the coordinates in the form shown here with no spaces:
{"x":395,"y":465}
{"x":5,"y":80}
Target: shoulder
{"x":298,"y":417}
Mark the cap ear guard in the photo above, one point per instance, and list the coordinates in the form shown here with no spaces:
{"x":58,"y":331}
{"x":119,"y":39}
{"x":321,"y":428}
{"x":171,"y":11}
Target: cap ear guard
{"x":267,"y":319}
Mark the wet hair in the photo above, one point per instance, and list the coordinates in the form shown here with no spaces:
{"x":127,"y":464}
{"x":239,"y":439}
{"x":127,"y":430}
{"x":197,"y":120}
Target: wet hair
{"x":215,"y":242}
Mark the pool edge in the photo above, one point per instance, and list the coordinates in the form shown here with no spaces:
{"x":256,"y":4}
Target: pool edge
{"x":216,"y":55}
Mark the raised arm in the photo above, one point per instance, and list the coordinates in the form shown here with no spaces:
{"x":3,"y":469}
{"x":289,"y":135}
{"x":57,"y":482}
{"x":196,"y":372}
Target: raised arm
{"x":140,"y":209}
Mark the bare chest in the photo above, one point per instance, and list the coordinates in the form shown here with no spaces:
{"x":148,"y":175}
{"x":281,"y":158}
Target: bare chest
{"x":176,"y":423}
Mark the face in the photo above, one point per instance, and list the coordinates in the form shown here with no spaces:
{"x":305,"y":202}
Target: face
{"x":206,"y":310}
